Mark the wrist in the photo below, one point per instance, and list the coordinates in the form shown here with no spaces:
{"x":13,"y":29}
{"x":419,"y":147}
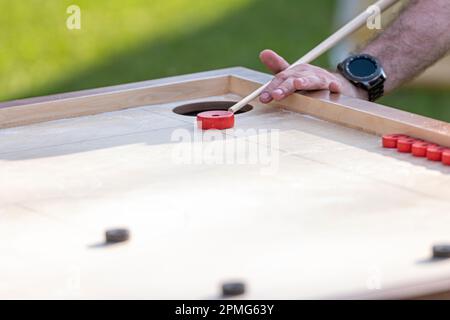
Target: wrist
{"x":350,"y":90}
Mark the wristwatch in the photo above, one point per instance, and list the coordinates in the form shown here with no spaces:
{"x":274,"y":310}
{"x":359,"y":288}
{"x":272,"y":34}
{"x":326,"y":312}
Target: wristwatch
{"x":366,"y":72}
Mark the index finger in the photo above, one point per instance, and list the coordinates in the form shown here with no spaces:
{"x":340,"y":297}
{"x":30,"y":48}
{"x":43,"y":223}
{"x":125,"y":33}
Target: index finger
{"x":266,"y":95}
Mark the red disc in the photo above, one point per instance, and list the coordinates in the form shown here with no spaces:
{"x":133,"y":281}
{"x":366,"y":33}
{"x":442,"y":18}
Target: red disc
{"x":434,"y":153}
{"x":219,"y":120}
{"x":390,"y":140}
{"x":419,"y":149}
{"x":446,"y":157}
{"x":404,"y":145}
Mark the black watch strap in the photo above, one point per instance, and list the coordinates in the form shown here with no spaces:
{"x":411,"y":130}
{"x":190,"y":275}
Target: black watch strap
{"x":377,"y":90}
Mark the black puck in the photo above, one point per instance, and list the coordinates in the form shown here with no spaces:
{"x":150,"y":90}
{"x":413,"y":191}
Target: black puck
{"x":117,"y":235}
{"x":233,"y":289}
{"x":441,"y":251}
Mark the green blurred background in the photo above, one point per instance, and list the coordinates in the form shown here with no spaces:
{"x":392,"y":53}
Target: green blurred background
{"x":131,"y":40}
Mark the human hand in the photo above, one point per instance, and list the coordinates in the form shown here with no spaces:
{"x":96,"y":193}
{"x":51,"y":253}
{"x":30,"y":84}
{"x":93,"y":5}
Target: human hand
{"x":303,"y":77}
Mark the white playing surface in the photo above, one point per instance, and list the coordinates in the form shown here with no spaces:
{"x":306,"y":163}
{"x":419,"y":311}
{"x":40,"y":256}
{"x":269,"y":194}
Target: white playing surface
{"x":326,"y":213}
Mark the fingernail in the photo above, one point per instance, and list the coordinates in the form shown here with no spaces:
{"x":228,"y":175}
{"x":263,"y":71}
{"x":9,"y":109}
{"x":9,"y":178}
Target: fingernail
{"x":265,"y":96}
{"x":278,"y":92}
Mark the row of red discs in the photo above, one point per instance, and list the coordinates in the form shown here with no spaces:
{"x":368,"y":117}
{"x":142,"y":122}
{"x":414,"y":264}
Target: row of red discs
{"x":417,"y":147}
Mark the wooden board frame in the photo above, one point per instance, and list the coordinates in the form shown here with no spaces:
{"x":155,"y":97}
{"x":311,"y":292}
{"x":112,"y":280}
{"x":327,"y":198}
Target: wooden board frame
{"x":370,"y":117}
{"x":362,"y":115}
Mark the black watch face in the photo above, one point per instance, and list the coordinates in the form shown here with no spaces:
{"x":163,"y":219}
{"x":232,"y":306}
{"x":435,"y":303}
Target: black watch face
{"x":364,"y":71}
{"x":362,"y":67}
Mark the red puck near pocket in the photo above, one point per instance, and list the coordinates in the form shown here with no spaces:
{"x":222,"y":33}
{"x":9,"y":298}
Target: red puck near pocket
{"x":446,"y":157}
{"x":404,"y":145}
{"x":390,"y":140}
{"x":219,"y":120}
{"x":434,"y":153}
{"x":419,"y":149}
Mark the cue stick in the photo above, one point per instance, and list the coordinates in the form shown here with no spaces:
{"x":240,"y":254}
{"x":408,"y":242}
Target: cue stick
{"x":330,"y":42}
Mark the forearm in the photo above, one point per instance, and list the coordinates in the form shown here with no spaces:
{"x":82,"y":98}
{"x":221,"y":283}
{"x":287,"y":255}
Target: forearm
{"x":416,"y":39}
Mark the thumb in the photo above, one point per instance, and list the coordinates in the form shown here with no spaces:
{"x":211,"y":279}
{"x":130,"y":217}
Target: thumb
{"x":273,"y":61}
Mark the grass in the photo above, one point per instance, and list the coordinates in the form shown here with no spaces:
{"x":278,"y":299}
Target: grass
{"x":125,"y":41}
